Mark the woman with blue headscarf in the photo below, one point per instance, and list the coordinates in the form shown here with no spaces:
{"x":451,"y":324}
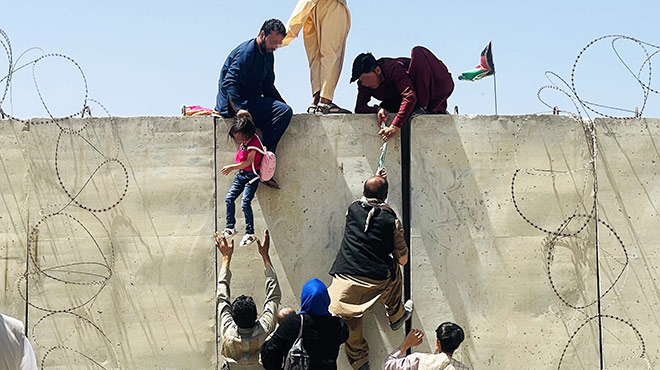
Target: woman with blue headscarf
{"x":322,"y":333}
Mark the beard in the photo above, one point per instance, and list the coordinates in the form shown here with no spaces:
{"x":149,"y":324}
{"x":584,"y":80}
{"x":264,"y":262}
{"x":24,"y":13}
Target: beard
{"x":262,"y":47}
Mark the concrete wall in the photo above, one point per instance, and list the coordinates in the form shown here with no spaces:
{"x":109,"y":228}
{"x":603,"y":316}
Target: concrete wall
{"x":125,"y":276}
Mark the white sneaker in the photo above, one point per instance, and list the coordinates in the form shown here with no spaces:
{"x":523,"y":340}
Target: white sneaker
{"x":408,"y":307}
{"x":229,"y":233}
{"x":247,"y":240}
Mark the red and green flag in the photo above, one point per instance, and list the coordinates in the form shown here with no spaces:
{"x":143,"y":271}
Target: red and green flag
{"x":485,"y":68}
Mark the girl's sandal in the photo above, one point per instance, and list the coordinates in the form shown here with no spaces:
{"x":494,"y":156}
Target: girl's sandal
{"x":271,"y":184}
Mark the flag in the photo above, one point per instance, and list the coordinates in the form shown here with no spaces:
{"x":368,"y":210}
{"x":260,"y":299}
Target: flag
{"x":485,"y":68}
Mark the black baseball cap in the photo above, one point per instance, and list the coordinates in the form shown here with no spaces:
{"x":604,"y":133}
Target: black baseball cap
{"x":363,"y":63}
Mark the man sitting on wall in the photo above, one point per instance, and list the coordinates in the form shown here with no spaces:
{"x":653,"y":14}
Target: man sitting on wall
{"x":448,"y":337}
{"x":242,"y":334}
{"x":247,"y":82}
{"x":364,"y":272}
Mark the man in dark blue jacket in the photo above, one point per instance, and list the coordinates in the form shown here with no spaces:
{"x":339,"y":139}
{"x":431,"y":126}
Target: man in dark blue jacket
{"x":247,"y":82}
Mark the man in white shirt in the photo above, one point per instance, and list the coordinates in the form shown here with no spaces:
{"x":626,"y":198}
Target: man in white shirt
{"x":449,"y":337}
{"x":16,"y":353}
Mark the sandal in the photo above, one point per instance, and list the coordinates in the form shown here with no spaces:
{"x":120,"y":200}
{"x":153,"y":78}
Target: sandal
{"x":229,"y":233}
{"x":247,"y":240}
{"x":271,"y":184}
{"x":331,"y":108}
{"x":311,"y":109}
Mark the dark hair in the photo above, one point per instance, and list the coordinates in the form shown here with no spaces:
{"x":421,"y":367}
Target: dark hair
{"x":450,"y":336}
{"x":242,"y":124}
{"x":244,"y":311}
{"x":273,"y":25}
{"x":363,"y":63}
{"x":375,"y":187}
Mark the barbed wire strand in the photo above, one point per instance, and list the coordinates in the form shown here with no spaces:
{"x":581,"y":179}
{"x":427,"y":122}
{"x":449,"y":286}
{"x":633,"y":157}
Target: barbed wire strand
{"x":581,"y":113}
{"x":68,"y":274}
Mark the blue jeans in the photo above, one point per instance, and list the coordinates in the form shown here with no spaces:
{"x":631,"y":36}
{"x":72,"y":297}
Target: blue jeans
{"x":272,"y":117}
{"x":241,"y":184}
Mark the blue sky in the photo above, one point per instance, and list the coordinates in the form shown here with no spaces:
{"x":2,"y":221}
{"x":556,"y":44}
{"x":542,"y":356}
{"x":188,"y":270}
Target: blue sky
{"x":149,"y":57}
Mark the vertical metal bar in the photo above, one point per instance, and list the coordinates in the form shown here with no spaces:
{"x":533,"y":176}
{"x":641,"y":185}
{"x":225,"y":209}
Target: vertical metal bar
{"x":495,"y":92}
{"x":600,"y":316}
{"x":27,"y":269}
{"x":27,"y":242}
{"x":405,"y":201}
{"x":215,"y":223}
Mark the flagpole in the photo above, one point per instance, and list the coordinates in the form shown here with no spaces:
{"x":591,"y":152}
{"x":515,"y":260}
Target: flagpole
{"x":495,"y":89}
{"x":490,"y":49}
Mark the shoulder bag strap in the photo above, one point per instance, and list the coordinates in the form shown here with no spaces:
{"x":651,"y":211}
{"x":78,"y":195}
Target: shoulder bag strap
{"x":301,"y":327}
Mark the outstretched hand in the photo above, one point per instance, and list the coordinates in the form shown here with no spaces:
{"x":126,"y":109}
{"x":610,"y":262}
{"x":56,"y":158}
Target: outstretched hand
{"x":414,"y":338}
{"x":221,"y":243}
{"x":263,"y":248}
{"x":226,"y":170}
{"x":244,"y":113}
{"x":382,"y":173}
{"x":388,"y":132}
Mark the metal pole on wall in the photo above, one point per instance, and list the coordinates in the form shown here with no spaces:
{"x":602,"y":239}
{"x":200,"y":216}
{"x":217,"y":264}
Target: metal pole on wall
{"x":27,"y":276}
{"x":495,"y":90}
{"x":405,"y":200}
{"x":597,"y":244}
{"x":490,"y":44}
{"x":215,"y":223}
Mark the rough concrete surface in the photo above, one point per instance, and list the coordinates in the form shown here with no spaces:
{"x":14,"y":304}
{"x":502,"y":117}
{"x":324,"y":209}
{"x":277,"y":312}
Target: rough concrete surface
{"x":124,"y":275}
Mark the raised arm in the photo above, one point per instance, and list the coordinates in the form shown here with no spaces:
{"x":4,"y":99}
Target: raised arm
{"x":223,"y":292}
{"x":397,"y":359}
{"x":273,"y":293}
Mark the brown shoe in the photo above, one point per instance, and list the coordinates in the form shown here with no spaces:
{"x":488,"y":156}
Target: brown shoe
{"x":271,"y":184}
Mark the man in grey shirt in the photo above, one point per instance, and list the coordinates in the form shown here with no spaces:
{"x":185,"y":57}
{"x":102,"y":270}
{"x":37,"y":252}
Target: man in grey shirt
{"x":242,"y":333}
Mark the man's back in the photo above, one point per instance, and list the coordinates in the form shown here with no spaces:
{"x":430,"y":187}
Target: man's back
{"x":366,"y":253}
{"x":242,"y":346}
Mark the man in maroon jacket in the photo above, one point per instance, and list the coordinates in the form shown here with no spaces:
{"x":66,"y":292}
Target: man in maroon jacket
{"x":420,"y":83}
